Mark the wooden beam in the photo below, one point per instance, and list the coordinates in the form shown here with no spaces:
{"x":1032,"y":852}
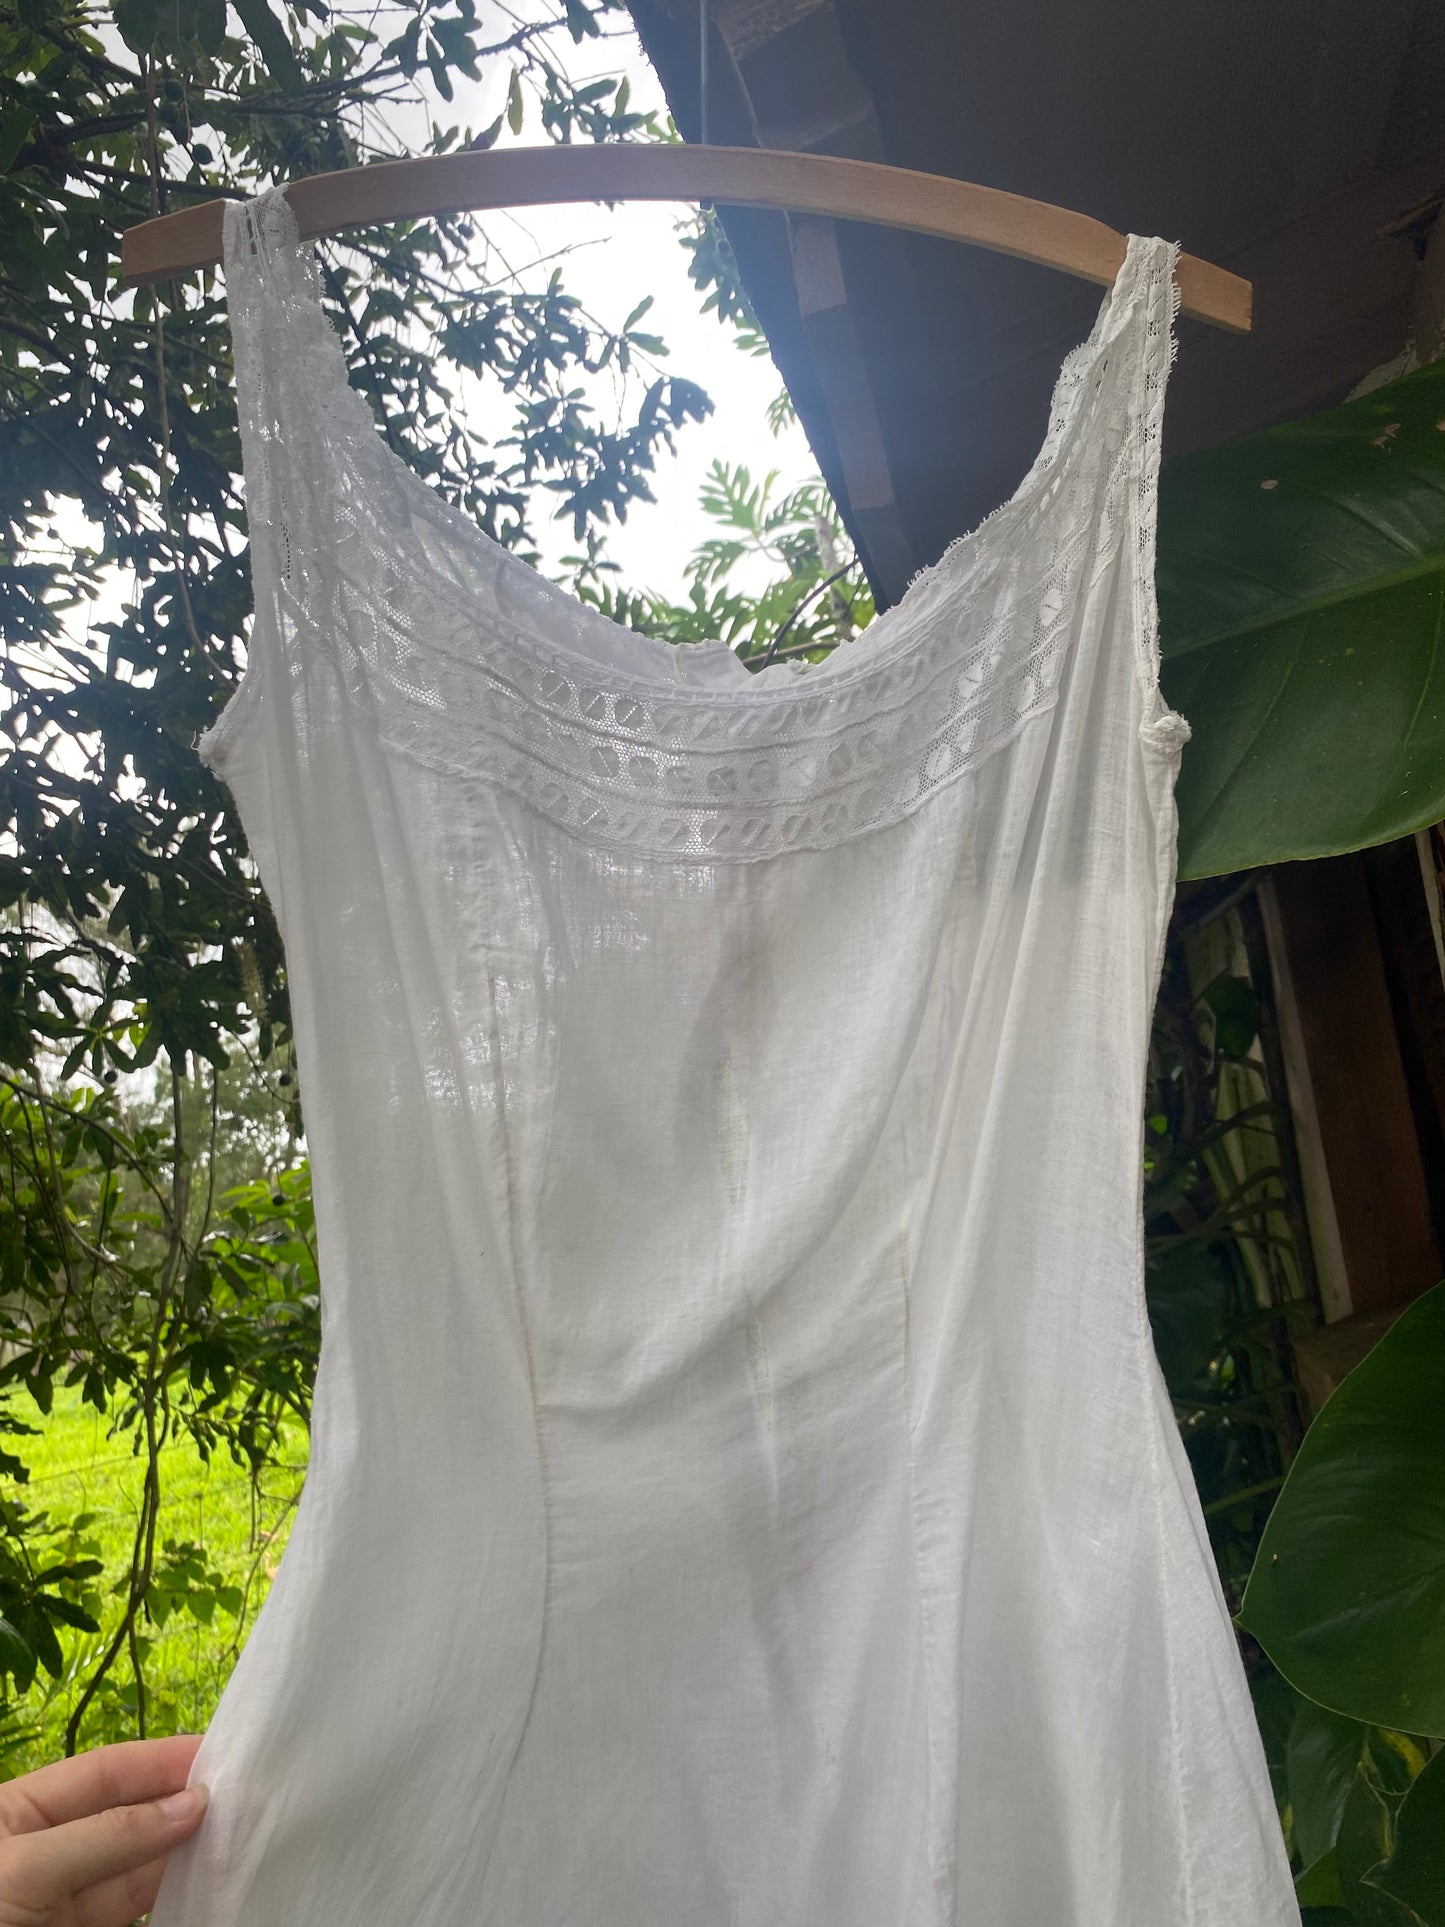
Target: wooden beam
{"x":1367,"y":1199}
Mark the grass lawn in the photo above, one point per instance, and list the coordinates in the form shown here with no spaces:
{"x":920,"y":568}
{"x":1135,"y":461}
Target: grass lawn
{"x":75,"y":1468}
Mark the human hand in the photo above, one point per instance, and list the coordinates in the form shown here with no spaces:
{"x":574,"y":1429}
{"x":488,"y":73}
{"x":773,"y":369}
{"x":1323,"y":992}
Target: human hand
{"x":83,"y":1841}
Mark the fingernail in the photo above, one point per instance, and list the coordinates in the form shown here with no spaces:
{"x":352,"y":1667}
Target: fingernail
{"x":187,"y":1804}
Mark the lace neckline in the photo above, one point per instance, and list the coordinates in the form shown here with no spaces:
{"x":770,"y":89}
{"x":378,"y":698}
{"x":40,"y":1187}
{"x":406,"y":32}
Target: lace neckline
{"x":627,"y":657}
{"x":374,"y":596}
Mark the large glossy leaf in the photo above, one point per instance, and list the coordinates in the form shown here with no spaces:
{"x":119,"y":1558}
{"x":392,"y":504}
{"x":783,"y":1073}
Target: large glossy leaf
{"x":1302,"y":619}
{"x":1347,"y":1595}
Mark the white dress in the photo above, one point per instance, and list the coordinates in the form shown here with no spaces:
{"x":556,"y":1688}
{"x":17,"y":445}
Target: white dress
{"x":742,"y":1490}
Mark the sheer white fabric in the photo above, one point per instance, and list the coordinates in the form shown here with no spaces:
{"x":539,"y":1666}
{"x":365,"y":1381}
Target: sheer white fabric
{"x":742,"y":1493}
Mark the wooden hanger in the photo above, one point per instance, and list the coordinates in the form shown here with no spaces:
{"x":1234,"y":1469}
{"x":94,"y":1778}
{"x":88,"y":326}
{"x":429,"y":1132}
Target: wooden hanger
{"x":666,"y":171}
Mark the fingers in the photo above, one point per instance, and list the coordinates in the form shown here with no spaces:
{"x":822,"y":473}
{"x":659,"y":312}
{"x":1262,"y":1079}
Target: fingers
{"x":40,"y":1870}
{"x":122,"y":1897}
{"x":107,"y":1776}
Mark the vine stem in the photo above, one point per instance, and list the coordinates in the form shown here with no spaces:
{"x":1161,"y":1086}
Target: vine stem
{"x":798,"y":608}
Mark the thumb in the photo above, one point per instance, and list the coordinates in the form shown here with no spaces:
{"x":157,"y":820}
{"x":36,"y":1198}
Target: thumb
{"x":38,"y":1871}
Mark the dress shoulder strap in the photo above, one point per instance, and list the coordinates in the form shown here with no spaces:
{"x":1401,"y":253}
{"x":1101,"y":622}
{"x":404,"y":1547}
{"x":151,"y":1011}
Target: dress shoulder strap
{"x":299,"y":419}
{"x":1148,"y":300}
{"x":298,"y":410}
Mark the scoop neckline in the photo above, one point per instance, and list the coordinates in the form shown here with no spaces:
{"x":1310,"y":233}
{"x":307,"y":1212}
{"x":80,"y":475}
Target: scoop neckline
{"x":656,"y":673}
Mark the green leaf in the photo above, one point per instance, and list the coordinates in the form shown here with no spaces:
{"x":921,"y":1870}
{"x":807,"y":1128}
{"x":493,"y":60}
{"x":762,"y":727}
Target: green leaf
{"x":1415,"y":1872}
{"x":273,"y":44}
{"x":1347,"y":1595}
{"x":211,"y":26}
{"x":1396,"y":1759}
{"x":1235,"y":1008}
{"x":1302,"y":615}
{"x":1322,"y":1757}
{"x":1275,"y":1701}
{"x":436,"y":60}
{"x":1187,"y":1295}
{"x":455,"y":41}
{"x":47,"y":1646}
{"x":15,"y":125}
{"x":15,"y":1655}
{"x":405,"y":48}
{"x":514,"y":102}
{"x":1366,"y":1838}
{"x":68,"y":1613}
{"x":138,"y":22}
{"x":1319,"y":1884}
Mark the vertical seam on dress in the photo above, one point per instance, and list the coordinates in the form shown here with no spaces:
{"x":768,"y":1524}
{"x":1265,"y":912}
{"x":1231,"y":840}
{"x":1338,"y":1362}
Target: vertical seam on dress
{"x":525,"y":1328}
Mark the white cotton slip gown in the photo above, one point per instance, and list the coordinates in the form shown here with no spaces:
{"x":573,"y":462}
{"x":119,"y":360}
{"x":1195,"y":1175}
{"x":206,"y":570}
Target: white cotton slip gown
{"x":742,"y":1489}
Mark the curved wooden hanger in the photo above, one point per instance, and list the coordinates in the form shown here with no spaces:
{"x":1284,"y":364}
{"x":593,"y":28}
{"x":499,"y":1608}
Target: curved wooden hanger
{"x":822,"y":184}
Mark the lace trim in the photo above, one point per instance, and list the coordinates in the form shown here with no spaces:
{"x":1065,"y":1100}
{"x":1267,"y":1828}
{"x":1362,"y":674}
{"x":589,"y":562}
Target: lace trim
{"x":467,"y":661}
{"x":1161,"y":725}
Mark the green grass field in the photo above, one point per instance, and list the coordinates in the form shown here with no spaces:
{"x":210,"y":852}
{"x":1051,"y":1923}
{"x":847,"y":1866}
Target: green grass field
{"x":75,"y":1467}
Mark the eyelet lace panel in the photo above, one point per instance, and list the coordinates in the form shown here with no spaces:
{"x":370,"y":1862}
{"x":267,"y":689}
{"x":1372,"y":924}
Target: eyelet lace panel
{"x":465,"y":661}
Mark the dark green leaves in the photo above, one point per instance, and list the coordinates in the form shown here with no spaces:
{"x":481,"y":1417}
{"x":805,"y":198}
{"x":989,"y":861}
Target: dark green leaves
{"x":211,"y":25}
{"x":33,"y":1605}
{"x":1414,"y":1875}
{"x":1364,"y":1841}
{"x":174,"y":26}
{"x":1302,"y":608}
{"x":138,"y":21}
{"x":1235,"y":1008}
{"x":1321,"y":1759}
{"x":1347,"y":1595}
{"x":15,"y":125}
{"x":272,"y":43}
{"x":184,"y":1581}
